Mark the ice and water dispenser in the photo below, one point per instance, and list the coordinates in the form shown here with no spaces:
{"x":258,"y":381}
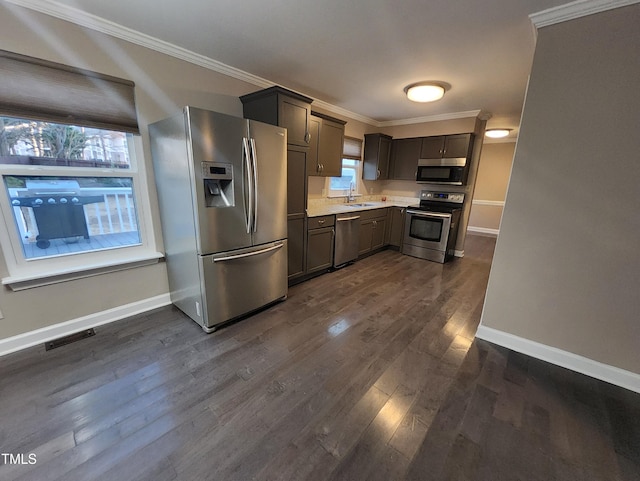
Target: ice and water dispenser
{"x":218,"y":184}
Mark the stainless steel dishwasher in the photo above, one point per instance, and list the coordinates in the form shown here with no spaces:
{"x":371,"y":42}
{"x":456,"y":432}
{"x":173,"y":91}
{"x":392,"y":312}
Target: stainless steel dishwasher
{"x":347,"y":239}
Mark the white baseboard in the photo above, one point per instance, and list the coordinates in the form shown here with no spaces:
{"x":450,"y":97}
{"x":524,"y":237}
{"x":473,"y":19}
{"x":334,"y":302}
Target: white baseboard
{"x":574,"y":362}
{"x":491,"y":203}
{"x":483,"y":230}
{"x":33,"y":338}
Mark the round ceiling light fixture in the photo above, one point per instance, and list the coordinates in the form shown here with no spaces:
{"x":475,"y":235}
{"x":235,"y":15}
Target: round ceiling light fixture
{"x":497,"y":133}
{"x":426,"y":91}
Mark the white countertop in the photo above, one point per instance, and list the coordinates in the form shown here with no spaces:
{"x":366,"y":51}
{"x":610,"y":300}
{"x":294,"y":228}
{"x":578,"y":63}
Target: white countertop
{"x":330,"y":209}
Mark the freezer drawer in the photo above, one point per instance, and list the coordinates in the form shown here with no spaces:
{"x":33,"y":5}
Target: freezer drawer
{"x":239,"y":282}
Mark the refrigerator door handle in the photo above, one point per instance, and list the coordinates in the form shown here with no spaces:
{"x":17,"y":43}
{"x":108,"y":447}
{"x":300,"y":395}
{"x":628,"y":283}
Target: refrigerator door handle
{"x":254,"y":159}
{"x":248,"y":254}
{"x":248,"y":210}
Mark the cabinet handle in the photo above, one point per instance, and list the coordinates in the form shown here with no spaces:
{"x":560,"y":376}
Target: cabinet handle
{"x":378,"y":175}
{"x":321,"y":168}
{"x":318,"y":168}
{"x":307,"y":137}
{"x":375,"y":223}
{"x":321,"y":221}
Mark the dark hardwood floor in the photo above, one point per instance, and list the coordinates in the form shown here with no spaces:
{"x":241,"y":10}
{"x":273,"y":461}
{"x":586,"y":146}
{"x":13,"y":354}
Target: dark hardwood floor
{"x":367,"y":373}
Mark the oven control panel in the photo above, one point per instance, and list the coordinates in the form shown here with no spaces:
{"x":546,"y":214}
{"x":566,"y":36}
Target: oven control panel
{"x":437,"y":196}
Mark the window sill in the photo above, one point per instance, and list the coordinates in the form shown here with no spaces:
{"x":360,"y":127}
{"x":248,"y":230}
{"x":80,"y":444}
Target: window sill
{"x":334,"y":196}
{"x":20,"y":283}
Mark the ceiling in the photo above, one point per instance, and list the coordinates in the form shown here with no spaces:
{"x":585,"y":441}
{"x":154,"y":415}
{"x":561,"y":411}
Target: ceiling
{"x":357,"y":55}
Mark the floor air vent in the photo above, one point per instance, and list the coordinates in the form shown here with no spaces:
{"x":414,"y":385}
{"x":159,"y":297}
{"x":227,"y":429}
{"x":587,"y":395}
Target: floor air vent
{"x":62,"y":341}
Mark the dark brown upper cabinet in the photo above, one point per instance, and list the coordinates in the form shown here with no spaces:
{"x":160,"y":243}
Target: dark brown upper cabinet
{"x":327,"y":139}
{"x":377,"y":151}
{"x":282,"y":107}
{"x":445,"y":146}
{"x":404,"y":158}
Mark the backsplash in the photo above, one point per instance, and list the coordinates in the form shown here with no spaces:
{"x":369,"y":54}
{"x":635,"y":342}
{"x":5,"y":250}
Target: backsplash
{"x":317,"y":202}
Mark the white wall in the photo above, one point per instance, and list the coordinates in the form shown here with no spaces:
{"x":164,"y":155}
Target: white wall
{"x":566,"y":269}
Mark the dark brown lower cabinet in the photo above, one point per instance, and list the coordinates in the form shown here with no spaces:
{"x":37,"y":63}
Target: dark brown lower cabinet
{"x":320,"y":249}
{"x":320,"y":243}
{"x":296,"y":209}
{"x":378,"y":233}
{"x":373,"y":230}
{"x":296,"y":232}
{"x":396,"y":226}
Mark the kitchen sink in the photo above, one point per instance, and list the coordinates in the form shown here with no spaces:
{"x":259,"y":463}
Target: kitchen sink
{"x":361,"y":205}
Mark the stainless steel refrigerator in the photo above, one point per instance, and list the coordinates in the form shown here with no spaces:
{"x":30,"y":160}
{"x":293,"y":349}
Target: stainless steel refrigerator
{"x":222,"y":192}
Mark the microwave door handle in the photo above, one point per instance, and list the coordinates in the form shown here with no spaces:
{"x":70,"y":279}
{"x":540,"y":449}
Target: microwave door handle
{"x":254,"y":160}
{"x":248,"y":209}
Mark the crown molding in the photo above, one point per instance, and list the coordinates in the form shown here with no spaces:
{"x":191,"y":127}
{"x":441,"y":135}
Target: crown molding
{"x":577,"y":9}
{"x":340,"y":111}
{"x":430,"y":118}
{"x":99,"y":24}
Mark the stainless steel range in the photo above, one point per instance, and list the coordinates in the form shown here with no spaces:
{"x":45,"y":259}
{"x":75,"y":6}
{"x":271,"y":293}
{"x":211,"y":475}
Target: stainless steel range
{"x":431,"y":228}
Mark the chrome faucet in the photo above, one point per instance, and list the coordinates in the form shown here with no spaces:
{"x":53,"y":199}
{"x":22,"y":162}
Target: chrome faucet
{"x":351,"y":197}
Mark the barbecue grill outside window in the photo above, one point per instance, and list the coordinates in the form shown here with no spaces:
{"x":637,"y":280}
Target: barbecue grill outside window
{"x":64,"y":215}
{"x":69,"y":190}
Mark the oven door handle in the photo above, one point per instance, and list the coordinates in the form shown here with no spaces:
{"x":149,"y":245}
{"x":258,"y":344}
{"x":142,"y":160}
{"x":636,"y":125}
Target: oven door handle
{"x":421,"y":213}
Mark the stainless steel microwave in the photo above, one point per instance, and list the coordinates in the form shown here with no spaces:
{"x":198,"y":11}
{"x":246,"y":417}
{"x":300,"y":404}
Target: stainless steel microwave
{"x":451,"y":171}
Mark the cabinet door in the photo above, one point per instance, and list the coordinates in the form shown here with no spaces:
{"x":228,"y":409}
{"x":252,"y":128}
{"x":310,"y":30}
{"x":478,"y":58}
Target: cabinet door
{"x":432,"y":147}
{"x":404,"y":158}
{"x":366,"y":231}
{"x":294,"y":115}
{"x":456,"y":145}
{"x":330,"y":149}
{"x":313,"y":163}
{"x":378,"y":233}
{"x":319,"y":249}
{"x":296,"y":238}
{"x":377,"y":150}
{"x":397,"y":226}
{"x":296,"y":180}
{"x":383,"y":161}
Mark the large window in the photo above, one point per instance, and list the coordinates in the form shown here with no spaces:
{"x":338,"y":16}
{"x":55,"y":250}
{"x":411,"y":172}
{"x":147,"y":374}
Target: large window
{"x":348,"y":182}
{"x":72,"y":199}
{"x":77,"y":211}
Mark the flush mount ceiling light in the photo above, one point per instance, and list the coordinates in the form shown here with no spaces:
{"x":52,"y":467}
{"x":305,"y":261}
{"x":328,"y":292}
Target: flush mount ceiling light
{"x":426,"y":91}
{"x":497,"y":133}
